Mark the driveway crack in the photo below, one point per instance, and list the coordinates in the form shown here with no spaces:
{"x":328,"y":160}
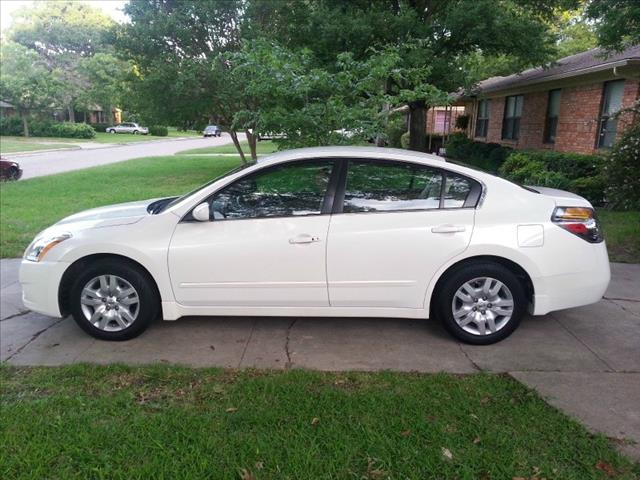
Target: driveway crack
{"x":19,"y":314}
{"x":32,"y":339}
{"x":246,"y":345}
{"x":593,"y":352}
{"x":287,"y":343}
{"x":612,"y":300}
{"x":475,"y":365}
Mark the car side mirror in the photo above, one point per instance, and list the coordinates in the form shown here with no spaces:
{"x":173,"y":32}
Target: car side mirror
{"x":201,"y":212}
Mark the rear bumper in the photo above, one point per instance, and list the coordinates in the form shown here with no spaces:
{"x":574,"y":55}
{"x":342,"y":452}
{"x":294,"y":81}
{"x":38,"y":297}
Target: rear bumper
{"x":574,"y":289}
{"x":40,"y":283}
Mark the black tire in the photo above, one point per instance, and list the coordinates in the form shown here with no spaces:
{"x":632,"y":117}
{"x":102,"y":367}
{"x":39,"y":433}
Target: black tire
{"x":148,"y":309}
{"x":465,"y":273}
{"x":136,"y":132}
{"x":14,"y":174}
{"x":111,"y":131}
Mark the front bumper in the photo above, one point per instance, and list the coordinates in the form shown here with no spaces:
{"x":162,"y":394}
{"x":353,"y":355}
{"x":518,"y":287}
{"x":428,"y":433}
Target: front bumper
{"x":40,"y":283}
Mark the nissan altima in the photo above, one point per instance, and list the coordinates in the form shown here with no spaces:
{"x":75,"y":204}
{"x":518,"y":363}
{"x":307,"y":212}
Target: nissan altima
{"x":336,"y":231}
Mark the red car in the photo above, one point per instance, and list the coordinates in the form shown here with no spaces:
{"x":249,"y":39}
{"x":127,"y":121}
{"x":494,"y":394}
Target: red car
{"x":9,"y":170}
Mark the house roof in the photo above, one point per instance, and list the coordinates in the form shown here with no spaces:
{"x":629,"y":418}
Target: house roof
{"x":572,"y":66}
{"x":4,"y":104}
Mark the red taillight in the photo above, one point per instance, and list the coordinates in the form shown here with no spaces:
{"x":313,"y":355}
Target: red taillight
{"x":581,"y":221}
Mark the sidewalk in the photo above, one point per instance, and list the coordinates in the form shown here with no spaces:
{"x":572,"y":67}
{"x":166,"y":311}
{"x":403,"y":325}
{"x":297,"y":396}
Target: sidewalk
{"x":584,"y":361}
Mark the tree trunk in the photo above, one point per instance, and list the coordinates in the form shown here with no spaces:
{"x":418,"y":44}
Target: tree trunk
{"x":25,"y":123}
{"x":417,"y":126}
{"x":72,"y":114}
{"x":252,"y":138}
{"x":234,"y":137}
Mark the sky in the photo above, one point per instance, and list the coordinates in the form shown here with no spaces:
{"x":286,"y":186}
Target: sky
{"x":113,"y":8}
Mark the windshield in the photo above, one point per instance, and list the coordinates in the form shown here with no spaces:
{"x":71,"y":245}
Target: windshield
{"x":177,"y":200}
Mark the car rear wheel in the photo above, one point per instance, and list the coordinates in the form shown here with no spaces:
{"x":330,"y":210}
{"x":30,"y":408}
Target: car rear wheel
{"x":111,"y":131}
{"x":136,"y":132}
{"x":481,"y":303}
{"x":112,"y":300}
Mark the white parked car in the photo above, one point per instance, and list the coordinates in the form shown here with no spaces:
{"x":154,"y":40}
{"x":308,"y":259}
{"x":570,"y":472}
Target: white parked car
{"x":337,"y":231}
{"x":128,"y":128}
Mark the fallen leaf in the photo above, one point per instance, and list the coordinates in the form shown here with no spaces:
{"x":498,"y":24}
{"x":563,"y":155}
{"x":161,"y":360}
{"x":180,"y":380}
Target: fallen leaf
{"x":315,"y":421}
{"x":485,"y":400}
{"x":406,"y":433}
{"x":245,"y":474}
{"x":447,"y":453}
{"x":606,"y":468}
{"x":476,"y":440}
{"x":474,"y":416}
{"x":259,"y":465}
{"x":231,"y":410}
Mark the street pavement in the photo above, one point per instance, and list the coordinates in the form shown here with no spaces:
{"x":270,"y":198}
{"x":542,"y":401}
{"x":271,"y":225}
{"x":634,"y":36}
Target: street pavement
{"x":585,"y":361}
{"x":50,"y":162}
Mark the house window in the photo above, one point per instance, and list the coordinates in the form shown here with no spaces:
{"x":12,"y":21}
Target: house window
{"x":611,"y":103}
{"x":482,"y":122}
{"x":553,"y":112}
{"x":512,"y":114}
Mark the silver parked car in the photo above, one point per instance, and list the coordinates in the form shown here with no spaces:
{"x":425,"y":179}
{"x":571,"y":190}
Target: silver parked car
{"x":128,"y":127}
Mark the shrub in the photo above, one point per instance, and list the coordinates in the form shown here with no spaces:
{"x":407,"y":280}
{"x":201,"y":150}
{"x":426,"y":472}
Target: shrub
{"x":101,"y":127}
{"x":47,"y":128}
{"x":159,"y":130}
{"x":404,"y":140}
{"x":11,"y":125}
{"x":622,"y":171}
{"x":487,"y":156}
{"x":462,"y":122}
{"x":581,"y":174}
{"x":394,"y":130}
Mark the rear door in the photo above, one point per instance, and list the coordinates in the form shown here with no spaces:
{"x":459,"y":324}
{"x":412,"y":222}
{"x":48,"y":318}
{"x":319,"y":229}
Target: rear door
{"x":394,"y":225}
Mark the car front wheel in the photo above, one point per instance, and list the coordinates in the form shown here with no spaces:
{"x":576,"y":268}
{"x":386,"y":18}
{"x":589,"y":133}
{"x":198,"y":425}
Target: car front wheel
{"x":112,"y":300}
{"x":481,"y":303}
{"x":111,"y":131}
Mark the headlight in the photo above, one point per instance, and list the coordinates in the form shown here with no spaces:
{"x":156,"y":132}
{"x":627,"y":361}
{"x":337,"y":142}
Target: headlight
{"x":40,"y":246}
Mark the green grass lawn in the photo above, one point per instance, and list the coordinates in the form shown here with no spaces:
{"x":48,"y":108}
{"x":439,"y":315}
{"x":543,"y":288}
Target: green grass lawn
{"x":18,"y":144}
{"x":622,"y":234}
{"x":119,"y":422}
{"x":264,"y":147}
{"x":28,"y":206}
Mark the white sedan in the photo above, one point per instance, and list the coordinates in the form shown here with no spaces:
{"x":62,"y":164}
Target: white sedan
{"x":128,"y":128}
{"x":336,"y":231}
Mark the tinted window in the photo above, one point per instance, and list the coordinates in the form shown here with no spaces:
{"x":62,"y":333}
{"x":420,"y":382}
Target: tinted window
{"x":456,"y":191}
{"x":379,"y":186}
{"x":287,"y":190}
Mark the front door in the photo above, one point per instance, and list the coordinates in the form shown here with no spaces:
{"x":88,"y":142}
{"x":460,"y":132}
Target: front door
{"x":265,"y":244}
{"x":395,"y":232}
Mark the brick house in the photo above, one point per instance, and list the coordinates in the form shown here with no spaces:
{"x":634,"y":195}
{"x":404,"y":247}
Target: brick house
{"x":566,"y":107}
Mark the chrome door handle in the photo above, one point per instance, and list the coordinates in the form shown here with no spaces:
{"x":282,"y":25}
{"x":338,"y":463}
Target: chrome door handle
{"x":304,"y":238}
{"x":448,"y":229}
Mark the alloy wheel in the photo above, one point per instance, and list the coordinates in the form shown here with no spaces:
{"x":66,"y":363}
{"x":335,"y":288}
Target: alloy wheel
{"x":482,"y":306}
{"x":110,"y":303}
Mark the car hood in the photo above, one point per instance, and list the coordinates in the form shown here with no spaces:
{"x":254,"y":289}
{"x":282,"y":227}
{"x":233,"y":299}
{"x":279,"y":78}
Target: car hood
{"x":112,"y":215}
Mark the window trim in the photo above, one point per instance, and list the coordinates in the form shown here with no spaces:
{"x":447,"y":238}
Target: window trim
{"x":483,"y":119}
{"x":329,"y":194}
{"x":472,"y":201}
{"x":333,"y":202}
{"x":602,"y":117}
{"x":547,"y":130}
{"x":516,"y":137}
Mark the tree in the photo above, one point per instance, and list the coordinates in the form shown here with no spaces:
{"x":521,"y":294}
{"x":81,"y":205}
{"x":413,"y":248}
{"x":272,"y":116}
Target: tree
{"x":434,"y":36}
{"x":63,"y":33}
{"x":25,"y":81}
{"x":182,"y":74}
{"x":105,"y":76}
{"x":617,"y":22}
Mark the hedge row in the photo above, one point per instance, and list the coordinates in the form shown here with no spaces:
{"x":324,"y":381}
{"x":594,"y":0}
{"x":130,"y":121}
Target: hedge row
{"x":158,"y":131}
{"x":46,"y":128}
{"x":581,"y":174}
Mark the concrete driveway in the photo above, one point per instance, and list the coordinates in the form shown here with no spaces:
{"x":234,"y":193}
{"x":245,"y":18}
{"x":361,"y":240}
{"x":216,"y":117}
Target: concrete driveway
{"x":585,"y":361}
{"x":38,"y":164}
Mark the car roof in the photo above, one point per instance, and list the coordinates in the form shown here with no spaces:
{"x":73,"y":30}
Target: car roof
{"x":382,"y":153}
